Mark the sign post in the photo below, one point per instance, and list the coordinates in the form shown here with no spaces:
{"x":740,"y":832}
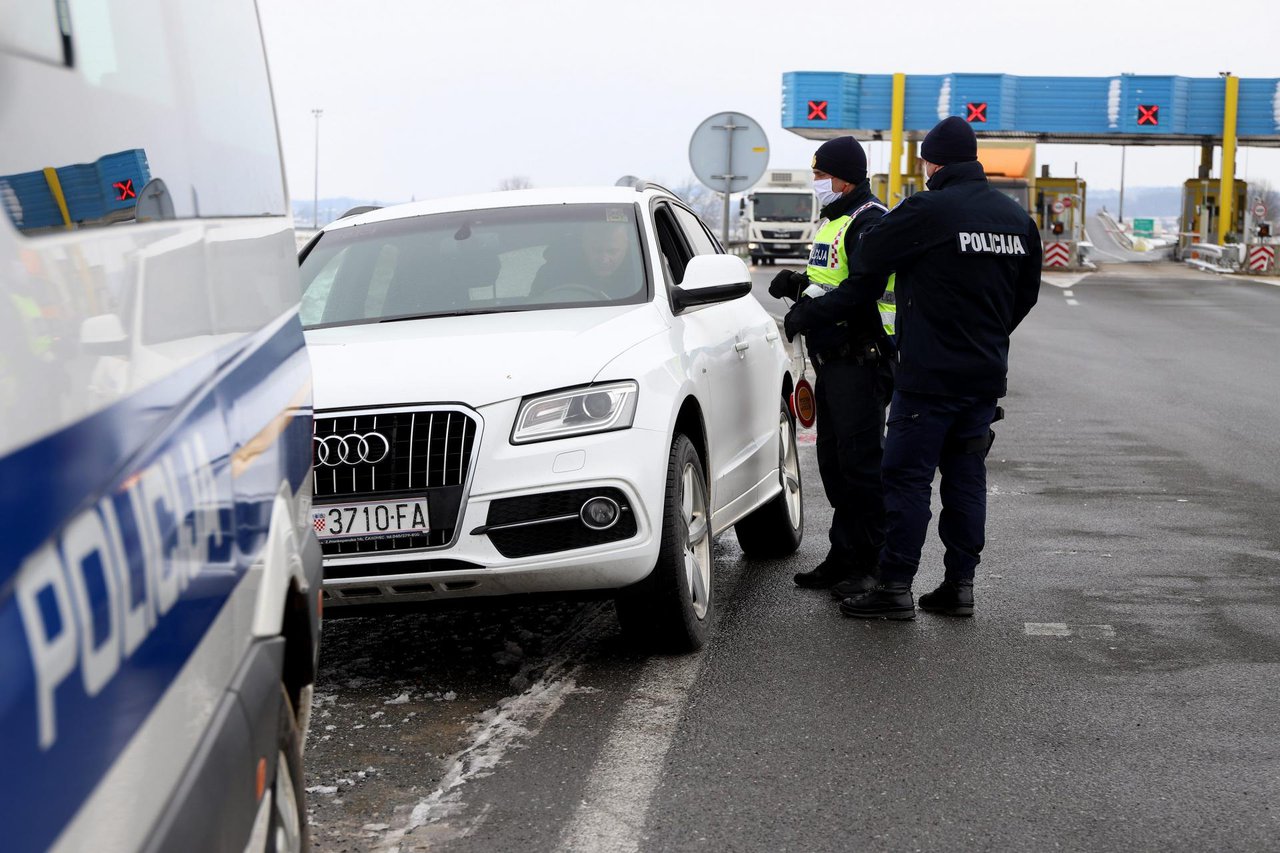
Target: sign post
{"x":728,"y":153}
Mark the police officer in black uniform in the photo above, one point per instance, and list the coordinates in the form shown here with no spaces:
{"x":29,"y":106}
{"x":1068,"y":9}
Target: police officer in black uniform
{"x":967,"y":259}
{"x":849,"y":349}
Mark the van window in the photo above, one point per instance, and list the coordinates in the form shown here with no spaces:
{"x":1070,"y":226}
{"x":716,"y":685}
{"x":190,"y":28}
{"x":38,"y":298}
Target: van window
{"x":163,"y":111}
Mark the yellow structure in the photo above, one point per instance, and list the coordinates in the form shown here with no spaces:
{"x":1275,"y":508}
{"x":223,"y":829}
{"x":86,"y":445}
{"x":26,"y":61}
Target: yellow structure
{"x":1208,"y":215}
{"x":895,"y":143}
{"x":1228,"y":174}
{"x":55,"y":187}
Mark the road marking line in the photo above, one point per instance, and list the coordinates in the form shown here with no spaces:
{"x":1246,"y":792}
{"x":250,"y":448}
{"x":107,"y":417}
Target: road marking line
{"x":1068,"y":293}
{"x":1072,"y":302}
{"x":516,"y":719}
{"x":624,"y":779}
{"x":1062,"y":629}
{"x":1062,"y":279}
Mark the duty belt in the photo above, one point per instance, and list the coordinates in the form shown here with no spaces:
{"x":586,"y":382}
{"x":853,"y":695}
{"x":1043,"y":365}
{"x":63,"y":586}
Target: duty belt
{"x":857,"y":353}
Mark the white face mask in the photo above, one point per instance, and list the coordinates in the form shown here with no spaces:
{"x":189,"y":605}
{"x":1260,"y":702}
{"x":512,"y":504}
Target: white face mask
{"x":826,"y":195}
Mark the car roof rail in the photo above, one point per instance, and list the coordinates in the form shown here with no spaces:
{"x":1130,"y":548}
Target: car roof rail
{"x":640,"y":184}
{"x":360,"y":208}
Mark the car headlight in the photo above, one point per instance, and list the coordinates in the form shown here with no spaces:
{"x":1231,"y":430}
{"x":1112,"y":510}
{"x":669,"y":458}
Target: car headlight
{"x":580,"y":411}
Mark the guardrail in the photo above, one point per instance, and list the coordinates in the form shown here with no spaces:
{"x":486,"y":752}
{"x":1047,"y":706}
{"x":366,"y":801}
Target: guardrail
{"x":1213,"y":258}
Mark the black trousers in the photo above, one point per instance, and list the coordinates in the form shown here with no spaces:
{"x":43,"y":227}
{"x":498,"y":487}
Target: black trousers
{"x":926,"y":434}
{"x":851,"y":401}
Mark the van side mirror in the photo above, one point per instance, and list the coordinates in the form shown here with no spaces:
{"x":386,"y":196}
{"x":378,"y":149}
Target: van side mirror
{"x":104,"y":335}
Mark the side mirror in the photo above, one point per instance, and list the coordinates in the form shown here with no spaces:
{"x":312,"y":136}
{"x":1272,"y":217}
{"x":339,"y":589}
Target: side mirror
{"x":104,"y":335}
{"x":709,"y":279}
{"x":154,"y":202}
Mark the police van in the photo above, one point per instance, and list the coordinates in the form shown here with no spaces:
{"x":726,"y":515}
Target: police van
{"x":159,"y":577}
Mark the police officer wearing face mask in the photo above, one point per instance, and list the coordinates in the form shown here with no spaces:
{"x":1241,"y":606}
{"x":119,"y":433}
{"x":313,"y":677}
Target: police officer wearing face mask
{"x":967,"y":262}
{"x":850,"y":348}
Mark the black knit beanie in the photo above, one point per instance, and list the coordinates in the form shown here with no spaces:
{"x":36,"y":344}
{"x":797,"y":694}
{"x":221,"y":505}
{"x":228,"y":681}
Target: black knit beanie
{"x":842,"y":158}
{"x":951,"y":141}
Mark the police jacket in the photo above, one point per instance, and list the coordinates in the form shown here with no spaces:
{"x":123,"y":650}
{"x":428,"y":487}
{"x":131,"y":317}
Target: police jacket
{"x":839,"y":317}
{"x":968,"y":270}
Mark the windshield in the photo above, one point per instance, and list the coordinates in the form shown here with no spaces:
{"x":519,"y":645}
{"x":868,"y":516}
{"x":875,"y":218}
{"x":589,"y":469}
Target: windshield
{"x":474,"y":262}
{"x":783,"y":207}
{"x":1016,"y":190}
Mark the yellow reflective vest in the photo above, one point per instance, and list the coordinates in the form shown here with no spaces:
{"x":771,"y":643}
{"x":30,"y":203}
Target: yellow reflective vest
{"x":829,"y":263}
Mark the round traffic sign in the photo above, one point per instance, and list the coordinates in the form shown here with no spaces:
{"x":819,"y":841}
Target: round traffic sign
{"x":1259,"y":210}
{"x":1058,"y":207}
{"x":729,"y":152}
{"x":1066,"y":201}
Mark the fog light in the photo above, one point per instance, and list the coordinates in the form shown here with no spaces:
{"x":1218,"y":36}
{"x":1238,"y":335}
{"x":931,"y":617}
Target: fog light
{"x":600,"y":513}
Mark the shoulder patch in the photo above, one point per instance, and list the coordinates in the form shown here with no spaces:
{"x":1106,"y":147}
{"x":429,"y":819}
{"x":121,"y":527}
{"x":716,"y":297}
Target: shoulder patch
{"x":990,"y":243}
{"x":871,"y":205}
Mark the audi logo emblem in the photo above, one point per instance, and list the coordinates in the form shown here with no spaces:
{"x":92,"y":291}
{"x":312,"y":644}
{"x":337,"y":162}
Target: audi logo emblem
{"x":333,"y":450}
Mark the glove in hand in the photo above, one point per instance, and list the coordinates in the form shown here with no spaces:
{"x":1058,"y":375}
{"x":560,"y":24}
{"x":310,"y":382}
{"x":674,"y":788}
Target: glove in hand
{"x":788,"y":283}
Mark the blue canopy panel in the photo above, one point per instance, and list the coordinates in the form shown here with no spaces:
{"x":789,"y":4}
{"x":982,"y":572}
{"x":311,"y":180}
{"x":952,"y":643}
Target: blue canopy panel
{"x":1128,"y":108}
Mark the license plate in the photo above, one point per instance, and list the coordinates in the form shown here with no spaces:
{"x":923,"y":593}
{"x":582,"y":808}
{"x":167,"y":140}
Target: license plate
{"x":383,"y":518}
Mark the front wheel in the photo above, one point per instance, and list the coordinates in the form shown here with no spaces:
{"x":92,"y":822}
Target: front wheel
{"x":287,"y":827}
{"x":775,"y":529}
{"x":671,"y":609}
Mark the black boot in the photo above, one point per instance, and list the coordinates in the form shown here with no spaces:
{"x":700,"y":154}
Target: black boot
{"x":856,"y":584}
{"x":827,"y":573}
{"x":952,"y":597}
{"x":886,"y":601}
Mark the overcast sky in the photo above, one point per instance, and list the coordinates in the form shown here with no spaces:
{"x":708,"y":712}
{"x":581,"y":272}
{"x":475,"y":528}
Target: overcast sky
{"x":427,"y":98}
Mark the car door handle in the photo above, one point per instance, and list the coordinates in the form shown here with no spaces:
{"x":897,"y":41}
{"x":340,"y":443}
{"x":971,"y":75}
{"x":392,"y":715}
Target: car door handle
{"x":741,"y":346}
{"x":771,"y":336}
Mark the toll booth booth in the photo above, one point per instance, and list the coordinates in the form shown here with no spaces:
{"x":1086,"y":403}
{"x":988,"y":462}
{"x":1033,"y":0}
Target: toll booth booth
{"x":1060,"y":205}
{"x":911,"y":184}
{"x":1201,"y":209}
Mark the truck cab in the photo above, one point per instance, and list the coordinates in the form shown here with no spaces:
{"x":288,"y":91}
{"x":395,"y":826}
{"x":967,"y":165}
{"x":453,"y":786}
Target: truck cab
{"x":780,"y":215}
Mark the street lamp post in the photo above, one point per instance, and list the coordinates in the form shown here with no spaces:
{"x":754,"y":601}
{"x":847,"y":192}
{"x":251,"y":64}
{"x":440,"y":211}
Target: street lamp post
{"x":315,"y":205}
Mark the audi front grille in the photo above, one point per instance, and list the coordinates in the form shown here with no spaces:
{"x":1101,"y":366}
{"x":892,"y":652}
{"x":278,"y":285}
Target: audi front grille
{"x":387,"y":455}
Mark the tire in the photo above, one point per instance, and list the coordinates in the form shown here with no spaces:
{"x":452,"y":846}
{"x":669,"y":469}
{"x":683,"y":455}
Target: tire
{"x":287,"y":827}
{"x":755,"y":259}
{"x":776,"y":529}
{"x":671,"y":610}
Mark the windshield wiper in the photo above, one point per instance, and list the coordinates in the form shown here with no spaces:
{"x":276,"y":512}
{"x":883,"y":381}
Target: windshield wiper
{"x":397,"y":319}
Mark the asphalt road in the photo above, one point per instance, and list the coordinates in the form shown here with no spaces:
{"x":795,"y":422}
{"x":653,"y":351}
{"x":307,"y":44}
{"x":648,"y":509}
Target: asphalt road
{"x":1117,"y":688}
{"x":1107,"y":248}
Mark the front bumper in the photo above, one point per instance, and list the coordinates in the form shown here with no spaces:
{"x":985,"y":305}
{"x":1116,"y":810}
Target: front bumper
{"x":774,"y":249}
{"x":627,"y":465}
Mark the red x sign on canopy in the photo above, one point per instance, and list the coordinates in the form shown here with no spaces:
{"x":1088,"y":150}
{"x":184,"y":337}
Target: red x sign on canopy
{"x":124,"y":189}
{"x":977,"y":112}
{"x":817,"y":111}
{"x":1148,"y":114}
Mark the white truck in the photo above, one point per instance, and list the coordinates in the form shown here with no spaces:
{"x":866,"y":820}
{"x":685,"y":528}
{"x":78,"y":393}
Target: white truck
{"x":780,"y":214}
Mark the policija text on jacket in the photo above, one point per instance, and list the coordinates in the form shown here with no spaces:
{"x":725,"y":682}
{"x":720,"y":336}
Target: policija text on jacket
{"x":968,"y":272}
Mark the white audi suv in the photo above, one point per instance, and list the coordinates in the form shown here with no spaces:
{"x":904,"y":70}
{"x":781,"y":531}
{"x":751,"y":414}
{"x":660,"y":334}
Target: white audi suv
{"x":544,"y":391}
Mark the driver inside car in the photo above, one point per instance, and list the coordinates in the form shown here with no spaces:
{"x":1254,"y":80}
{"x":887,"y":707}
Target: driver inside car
{"x":601,"y":265}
